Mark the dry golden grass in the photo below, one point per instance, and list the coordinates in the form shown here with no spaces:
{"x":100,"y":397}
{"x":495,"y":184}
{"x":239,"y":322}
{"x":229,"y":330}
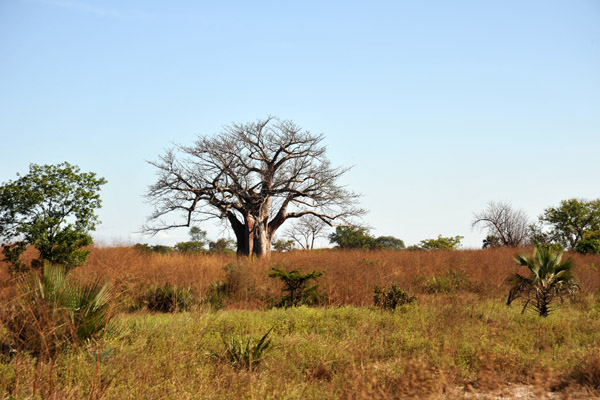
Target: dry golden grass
{"x":350,"y":275}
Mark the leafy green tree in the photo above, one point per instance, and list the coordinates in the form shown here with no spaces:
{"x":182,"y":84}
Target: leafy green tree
{"x":441,"y":243}
{"x":51,"y":208}
{"x":222,"y":246}
{"x":389,"y":243}
{"x":283,"y":245}
{"x":196,"y":244}
{"x":550,"y":278}
{"x":571,"y":220}
{"x":352,"y":237}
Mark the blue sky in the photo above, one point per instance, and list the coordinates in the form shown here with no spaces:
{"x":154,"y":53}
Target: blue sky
{"x":440,"y":106}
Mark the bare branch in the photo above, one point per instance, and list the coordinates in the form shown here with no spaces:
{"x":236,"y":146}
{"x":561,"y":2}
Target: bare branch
{"x":264,"y":172}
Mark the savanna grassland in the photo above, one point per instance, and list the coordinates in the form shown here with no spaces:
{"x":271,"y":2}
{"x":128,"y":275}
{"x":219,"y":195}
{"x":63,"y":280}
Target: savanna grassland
{"x":457,"y":340}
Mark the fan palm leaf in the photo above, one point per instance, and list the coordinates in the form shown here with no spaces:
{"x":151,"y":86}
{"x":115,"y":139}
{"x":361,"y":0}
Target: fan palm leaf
{"x":550,"y":278}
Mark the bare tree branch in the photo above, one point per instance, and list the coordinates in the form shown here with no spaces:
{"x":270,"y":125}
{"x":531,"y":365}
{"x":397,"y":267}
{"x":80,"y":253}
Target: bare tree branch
{"x":256,"y":176}
{"x":510,"y":226}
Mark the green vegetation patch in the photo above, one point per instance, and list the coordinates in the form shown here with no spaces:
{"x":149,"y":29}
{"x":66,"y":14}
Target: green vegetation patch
{"x":322,"y":353}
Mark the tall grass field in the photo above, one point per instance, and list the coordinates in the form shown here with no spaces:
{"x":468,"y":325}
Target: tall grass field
{"x":220,"y":335}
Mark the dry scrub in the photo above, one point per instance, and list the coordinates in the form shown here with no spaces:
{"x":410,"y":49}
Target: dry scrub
{"x":458,"y":340}
{"x":350,"y":278}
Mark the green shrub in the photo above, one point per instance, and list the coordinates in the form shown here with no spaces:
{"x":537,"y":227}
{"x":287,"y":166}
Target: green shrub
{"x":296,"y":287}
{"x":451,"y":281}
{"x":392,"y":297}
{"x":147,"y":249}
{"x":441,"y":243}
{"x":588,"y":246}
{"x":166,"y":298}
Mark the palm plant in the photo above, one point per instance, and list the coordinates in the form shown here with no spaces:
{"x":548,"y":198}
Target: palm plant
{"x":53,"y":310}
{"x":551,"y":278}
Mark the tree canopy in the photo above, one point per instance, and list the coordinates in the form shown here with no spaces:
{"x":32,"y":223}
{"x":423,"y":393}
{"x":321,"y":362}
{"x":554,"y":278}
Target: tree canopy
{"x":441,"y":243}
{"x":358,"y":237}
{"x":571,"y":220}
{"x":51,"y":208}
{"x":255,"y":176}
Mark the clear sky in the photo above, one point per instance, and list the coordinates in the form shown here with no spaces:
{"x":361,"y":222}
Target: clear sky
{"x":441,"y":106}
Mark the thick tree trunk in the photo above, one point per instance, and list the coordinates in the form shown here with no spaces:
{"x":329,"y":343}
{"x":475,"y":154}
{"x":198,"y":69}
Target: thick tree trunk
{"x":253,"y":238}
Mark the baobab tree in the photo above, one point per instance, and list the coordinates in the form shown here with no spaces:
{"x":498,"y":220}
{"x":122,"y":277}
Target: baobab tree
{"x":509,"y":226}
{"x":255,"y":176}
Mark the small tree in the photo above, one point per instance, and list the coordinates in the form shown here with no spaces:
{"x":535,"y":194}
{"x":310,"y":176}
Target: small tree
{"x":550,"y":278}
{"x":51,"y":208}
{"x":196,"y":244}
{"x":441,"y":243}
{"x":296,"y":287}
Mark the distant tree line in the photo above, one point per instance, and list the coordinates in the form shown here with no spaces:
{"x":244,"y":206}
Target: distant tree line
{"x":196,"y":245}
{"x":574,"y":224}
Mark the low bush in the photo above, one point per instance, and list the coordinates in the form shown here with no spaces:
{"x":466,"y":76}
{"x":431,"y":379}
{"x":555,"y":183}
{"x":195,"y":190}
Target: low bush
{"x":449,"y":282}
{"x":391,"y":297}
{"x":166,"y":298}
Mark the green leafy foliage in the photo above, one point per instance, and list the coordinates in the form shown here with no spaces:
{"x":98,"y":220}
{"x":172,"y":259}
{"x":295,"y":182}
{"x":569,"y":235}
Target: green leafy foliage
{"x":391,"y":297}
{"x":590,"y":244}
{"x":441,"y":243}
{"x":283,"y":245}
{"x":550,"y":278}
{"x":571,"y":220}
{"x":449,"y":282}
{"x":51,"y":208}
{"x":53,"y":310}
{"x":166,"y":298}
{"x":296,"y":287}
{"x":491,"y":241}
{"x":150,"y":249}
{"x":352,"y":237}
{"x":222,"y":246}
{"x":356,"y":237}
{"x":389,"y":243}
{"x":196,"y":243}
{"x":245,"y":352}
